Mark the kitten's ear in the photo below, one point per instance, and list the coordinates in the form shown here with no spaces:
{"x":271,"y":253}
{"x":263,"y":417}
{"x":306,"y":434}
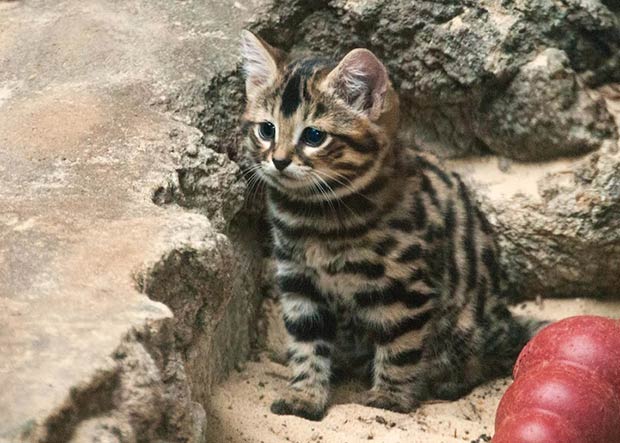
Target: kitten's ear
{"x":260,"y":61}
{"x":362,"y":81}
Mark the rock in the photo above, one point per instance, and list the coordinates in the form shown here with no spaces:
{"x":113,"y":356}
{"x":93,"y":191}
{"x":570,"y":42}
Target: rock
{"x":224,"y":103}
{"x":544,"y":113}
{"x":117,"y":314}
{"x":558,"y":221}
{"x":207,"y":181}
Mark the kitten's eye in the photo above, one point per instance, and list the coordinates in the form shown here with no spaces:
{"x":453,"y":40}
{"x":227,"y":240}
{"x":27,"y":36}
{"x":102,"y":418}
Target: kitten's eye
{"x":313,"y":137}
{"x":267,"y":131}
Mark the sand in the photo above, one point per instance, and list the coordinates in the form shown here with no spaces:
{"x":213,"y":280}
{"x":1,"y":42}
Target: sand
{"x":239,"y":410}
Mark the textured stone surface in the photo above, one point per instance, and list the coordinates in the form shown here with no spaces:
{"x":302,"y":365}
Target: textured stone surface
{"x":559,"y":221}
{"x":207,"y":181}
{"x":96,"y":102}
{"x":544,"y":107}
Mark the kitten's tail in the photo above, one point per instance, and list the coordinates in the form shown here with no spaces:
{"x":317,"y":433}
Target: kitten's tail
{"x":505,"y":340}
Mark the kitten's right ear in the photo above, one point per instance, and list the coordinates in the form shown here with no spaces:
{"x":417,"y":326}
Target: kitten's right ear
{"x":260,"y":61}
{"x":361,"y":80}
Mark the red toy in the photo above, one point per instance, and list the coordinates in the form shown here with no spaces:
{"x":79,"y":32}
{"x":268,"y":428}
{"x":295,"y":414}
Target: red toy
{"x":567,"y":386}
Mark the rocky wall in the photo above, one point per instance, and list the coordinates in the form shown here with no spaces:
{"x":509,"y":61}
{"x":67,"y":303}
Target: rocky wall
{"x":129,"y":271}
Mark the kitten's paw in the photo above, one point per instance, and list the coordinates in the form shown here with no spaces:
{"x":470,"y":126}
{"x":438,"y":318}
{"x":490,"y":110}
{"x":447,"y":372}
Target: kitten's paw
{"x":300,"y":404}
{"x":451,"y":391}
{"x":388,"y":400}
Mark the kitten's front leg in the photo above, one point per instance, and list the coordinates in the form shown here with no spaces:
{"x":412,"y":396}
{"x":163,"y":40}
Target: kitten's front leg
{"x":311,"y":325}
{"x":397,"y":380}
{"x":398,"y":327}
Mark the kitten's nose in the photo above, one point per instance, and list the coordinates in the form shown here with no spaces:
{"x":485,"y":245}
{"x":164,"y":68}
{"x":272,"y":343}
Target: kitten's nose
{"x":280,"y":164}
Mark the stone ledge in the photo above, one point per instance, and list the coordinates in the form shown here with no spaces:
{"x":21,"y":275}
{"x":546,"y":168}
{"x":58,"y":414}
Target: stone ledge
{"x":96,"y":102}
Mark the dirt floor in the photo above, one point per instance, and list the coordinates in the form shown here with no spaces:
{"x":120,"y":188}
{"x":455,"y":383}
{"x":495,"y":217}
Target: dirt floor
{"x":239,"y":411}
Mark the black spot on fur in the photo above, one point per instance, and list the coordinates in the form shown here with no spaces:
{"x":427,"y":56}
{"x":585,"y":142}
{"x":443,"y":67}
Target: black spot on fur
{"x":291,"y":96}
{"x":282,"y":254}
{"x":320,"y":111}
{"x":320,"y":325}
{"x":406,"y":358}
{"x":401,"y":224}
{"x":384,"y":334}
{"x":450,"y":226}
{"x":322,"y":350}
{"x":481,"y":297}
{"x":385,"y":246}
{"x":367,"y":269}
{"x":490,"y":261}
{"x":469,"y":241}
{"x":419,"y":213}
{"x":395,"y":292}
{"x":365,"y":146}
{"x":413,"y":252}
{"x":428,"y":188}
{"x":299,"y":359}
{"x":435,"y":170}
{"x":300,"y":284}
{"x":300,"y":377}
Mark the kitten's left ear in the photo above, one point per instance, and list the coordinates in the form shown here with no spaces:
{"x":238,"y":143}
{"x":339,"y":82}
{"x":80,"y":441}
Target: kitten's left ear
{"x":362,"y":81}
{"x":260,"y":61}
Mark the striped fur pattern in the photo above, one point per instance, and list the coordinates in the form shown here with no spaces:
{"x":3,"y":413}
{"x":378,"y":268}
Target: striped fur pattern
{"x":384,"y":261}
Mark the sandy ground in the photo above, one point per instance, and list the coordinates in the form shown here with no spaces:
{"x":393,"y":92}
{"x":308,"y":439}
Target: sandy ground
{"x":239,"y":411}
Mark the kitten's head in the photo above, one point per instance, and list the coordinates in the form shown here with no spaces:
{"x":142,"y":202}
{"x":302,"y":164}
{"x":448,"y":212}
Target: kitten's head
{"x":315,"y":122}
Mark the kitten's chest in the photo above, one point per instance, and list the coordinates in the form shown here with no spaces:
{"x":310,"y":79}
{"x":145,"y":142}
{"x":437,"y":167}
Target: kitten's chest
{"x":330,"y":268}
{"x":319,"y":256}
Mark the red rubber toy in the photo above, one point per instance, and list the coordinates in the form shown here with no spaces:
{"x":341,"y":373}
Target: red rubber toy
{"x":567,"y":386}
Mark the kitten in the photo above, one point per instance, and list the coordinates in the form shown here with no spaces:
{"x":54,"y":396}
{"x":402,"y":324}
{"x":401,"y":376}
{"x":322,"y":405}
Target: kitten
{"x":383,"y":259}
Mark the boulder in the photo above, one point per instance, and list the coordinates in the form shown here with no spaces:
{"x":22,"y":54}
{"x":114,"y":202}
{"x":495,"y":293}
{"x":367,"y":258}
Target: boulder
{"x":119,"y":307}
{"x":558,"y":221}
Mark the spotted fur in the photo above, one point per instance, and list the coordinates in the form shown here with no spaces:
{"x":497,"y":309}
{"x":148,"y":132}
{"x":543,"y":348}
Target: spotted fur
{"x":384,"y":260}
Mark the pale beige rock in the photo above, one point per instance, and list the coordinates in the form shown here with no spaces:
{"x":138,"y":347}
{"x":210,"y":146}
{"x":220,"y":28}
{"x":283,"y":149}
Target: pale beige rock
{"x":558,"y":221}
{"x":95,"y":102}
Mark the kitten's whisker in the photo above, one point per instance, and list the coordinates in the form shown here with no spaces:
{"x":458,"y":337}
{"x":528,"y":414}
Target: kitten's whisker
{"x":317,"y":185}
{"x":259,"y":186}
{"x":321,"y":186}
{"x":336,"y":199}
{"x":346,"y":185}
{"x":254,"y":182}
{"x":251,"y":169}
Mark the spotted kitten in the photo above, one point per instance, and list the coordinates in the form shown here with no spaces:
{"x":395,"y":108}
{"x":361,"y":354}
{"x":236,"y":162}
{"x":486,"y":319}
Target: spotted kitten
{"x":383,"y":259}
